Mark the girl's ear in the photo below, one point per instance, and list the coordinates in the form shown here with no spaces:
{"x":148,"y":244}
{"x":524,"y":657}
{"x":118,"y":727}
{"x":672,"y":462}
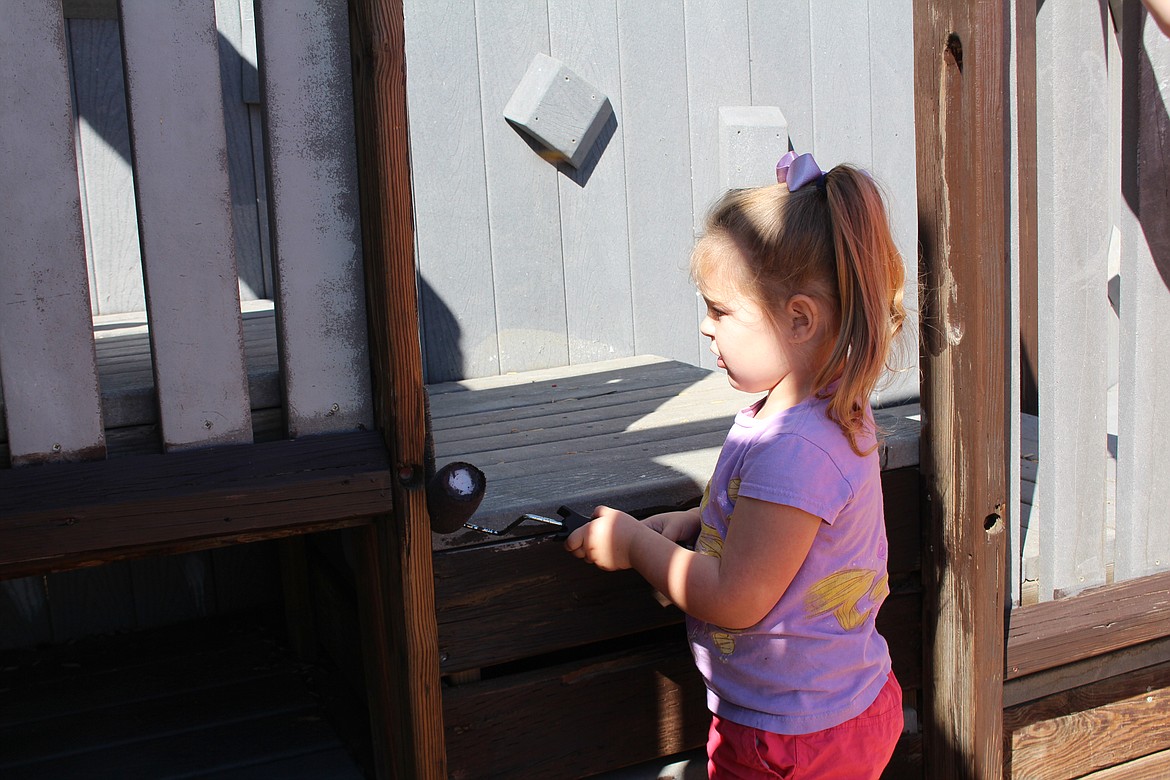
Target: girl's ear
{"x":802,"y":318}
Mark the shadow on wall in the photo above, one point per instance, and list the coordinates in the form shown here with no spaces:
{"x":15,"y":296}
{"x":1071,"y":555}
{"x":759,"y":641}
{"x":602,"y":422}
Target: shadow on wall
{"x":1145,"y":141}
{"x":440,"y":336}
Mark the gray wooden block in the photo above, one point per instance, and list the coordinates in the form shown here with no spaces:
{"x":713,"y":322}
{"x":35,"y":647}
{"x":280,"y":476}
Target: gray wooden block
{"x":751,"y":140}
{"x":558,"y":108}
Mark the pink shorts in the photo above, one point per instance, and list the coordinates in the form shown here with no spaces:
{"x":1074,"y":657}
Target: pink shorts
{"x":855,"y":750}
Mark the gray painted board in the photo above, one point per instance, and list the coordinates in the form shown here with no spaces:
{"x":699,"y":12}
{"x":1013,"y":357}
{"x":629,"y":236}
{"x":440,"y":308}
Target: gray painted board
{"x":891,"y":58}
{"x":47,"y":363}
{"x":1073,"y":235}
{"x":237,"y":75}
{"x":522,"y":194}
{"x":781,"y":65}
{"x":111,"y":225}
{"x":594,"y":236}
{"x":313,"y":191}
{"x":185,"y":221}
{"x":1143,"y":483}
{"x":656,"y":141}
{"x":452,"y":235}
{"x":841,"y":83}
{"x":718,"y":74}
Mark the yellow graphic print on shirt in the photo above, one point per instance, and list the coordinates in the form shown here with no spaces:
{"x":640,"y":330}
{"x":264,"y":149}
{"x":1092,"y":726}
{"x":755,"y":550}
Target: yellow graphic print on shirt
{"x":842,"y":592}
{"x":709,"y":541}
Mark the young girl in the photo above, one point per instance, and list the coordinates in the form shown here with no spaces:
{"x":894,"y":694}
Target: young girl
{"x":803,"y":287}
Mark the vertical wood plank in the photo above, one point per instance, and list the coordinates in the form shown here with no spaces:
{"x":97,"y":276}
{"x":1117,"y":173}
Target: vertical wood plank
{"x":595,"y":246}
{"x":308,"y":112}
{"x":718,"y":74}
{"x":841,"y":83}
{"x":171,"y":52}
{"x":1143,"y":481}
{"x":1025,"y":38}
{"x":522,"y":195}
{"x":781,"y":65}
{"x":1072,"y":243}
{"x":47,"y":365}
{"x":656,"y":139}
{"x":402,"y":654}
{"x":959,"y":67}
{"x":111,"y":227}
{"x":450,"y":191}
{"x":891,"y":106}
{"x":1022,"y":222}
{"x":236,"y":40}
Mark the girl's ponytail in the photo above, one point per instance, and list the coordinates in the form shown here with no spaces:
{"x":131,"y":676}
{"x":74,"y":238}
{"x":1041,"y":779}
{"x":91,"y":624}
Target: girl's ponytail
{"x":870,"y":281}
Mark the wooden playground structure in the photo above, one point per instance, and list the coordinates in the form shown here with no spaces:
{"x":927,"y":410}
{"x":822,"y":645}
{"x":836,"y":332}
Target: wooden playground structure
{"x":300,"y":258}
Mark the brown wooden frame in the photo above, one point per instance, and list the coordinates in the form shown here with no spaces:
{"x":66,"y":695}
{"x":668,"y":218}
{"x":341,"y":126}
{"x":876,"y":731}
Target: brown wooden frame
{"x":396,"y":581}
{"x":960,"y":67}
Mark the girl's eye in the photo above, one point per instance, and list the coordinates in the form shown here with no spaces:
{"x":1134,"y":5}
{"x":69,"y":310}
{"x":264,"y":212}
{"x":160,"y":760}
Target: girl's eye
{"x":714,"y":313}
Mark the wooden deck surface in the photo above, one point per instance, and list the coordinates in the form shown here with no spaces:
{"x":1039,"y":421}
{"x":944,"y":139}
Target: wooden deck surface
{"x":640,"y":432}
{"x":222,"y":699}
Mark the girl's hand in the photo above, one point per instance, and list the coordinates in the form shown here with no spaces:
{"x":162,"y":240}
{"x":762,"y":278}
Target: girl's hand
{"x":679,"y":527}
{"x":606,"y":540}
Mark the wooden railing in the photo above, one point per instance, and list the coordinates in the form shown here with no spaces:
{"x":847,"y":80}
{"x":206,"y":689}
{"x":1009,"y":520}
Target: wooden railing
{"x":1095,"y":485}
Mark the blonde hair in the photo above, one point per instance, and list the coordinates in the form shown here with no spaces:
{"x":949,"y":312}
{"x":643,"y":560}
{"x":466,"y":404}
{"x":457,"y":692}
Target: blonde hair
{"x":831,"y":241}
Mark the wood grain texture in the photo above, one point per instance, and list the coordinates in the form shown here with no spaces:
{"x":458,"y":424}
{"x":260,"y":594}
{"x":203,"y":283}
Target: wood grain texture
{"x":961,"y":131}
{"x":1090,"y":728}
{"x":577,"y":719}
{"x":184,"y":201}
{"x":403,"y":678}
{"x":197,"y":499}
{"x":1100,"y":621}
{"x":314,"y":199}
{"x":47,"y":361}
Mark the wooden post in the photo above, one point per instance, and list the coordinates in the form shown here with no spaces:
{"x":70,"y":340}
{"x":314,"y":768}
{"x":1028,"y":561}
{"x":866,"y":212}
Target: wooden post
{"x":963,"y":189}
{"x":1027,"y":206}
{"x":396,"y":581}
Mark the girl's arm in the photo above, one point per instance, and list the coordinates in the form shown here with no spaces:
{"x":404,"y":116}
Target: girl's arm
{"x":765,"y":546}
{"x":681,"y":526}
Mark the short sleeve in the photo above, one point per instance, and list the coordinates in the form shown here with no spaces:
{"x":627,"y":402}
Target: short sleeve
{"x":792,"y":470}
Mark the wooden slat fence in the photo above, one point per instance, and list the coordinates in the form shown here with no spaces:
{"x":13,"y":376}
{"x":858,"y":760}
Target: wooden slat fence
{"x":58,"y":402}
{"x":1093,"y":507}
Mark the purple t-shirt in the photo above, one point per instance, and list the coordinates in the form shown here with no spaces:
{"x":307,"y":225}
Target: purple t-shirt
{"x":815,"y":660}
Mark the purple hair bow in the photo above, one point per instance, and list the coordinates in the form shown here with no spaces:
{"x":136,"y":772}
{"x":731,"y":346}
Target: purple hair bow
{"x":797,"y":170}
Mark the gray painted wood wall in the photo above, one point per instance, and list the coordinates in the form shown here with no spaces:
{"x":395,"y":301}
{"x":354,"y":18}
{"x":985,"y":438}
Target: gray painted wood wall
{"x":524,"y":265}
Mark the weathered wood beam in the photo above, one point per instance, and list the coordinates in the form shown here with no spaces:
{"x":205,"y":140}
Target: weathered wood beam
{"x":398,"y":613}
{"x":184,"y":501}
{"x":960,"y":92}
